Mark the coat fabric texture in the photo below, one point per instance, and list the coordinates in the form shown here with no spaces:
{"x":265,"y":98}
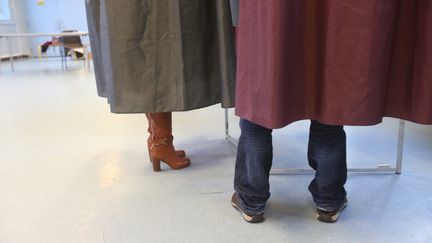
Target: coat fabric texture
{"x":342,"y":62}
{"x":162,"y":55}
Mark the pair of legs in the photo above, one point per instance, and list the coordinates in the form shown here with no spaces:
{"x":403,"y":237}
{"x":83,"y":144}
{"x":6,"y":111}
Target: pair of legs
{"x":160,"y":142}
{"x":326,"y":155}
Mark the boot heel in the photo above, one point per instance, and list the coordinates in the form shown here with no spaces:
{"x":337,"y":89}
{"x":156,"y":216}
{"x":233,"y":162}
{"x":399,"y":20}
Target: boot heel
{"x":156,"y":165}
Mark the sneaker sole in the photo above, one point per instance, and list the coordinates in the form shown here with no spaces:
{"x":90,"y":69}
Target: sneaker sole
{"x":246,"y":217}
{"x":335,"y":217}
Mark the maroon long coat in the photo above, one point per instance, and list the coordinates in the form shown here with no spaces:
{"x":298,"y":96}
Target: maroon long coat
{"x":344,"y":62}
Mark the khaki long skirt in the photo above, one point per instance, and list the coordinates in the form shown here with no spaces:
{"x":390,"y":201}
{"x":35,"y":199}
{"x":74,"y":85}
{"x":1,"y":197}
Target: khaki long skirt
{"x":162,"y":55}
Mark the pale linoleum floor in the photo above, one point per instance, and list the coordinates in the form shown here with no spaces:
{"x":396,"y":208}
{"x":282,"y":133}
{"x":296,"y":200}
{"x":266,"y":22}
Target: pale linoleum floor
{"x":70,"y":171}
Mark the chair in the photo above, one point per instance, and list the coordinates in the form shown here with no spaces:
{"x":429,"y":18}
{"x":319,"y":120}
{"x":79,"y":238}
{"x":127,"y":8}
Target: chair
{"x":53,"y":43}
{"x":73,"y":46}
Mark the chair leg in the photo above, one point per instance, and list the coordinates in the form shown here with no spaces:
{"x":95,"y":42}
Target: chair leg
{"x":39,"y":52}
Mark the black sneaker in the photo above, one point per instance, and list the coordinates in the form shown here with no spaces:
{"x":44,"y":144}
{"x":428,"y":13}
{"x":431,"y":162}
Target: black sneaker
{"x":331,"y":216}
{"x":248,"y":218}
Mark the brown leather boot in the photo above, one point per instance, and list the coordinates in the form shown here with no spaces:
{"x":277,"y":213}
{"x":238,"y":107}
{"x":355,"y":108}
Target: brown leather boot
{"x":180,"y":153}
{"x":162,"y":148}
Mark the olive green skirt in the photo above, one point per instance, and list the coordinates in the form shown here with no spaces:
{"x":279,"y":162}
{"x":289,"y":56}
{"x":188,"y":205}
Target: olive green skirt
{"x":162,"y":55}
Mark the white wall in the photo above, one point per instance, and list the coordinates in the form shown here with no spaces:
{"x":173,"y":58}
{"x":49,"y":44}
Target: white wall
{"x":18,"y":24}
{"x":54,"y":16}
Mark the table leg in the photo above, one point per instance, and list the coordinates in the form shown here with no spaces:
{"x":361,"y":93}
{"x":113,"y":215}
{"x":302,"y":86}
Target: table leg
{"x":1,"y":38}
{"x":85,"y":56}
{"x":9,"y":41}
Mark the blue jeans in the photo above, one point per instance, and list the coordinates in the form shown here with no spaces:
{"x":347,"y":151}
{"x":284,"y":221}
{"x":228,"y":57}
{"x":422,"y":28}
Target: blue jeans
{"x":326,"y":155}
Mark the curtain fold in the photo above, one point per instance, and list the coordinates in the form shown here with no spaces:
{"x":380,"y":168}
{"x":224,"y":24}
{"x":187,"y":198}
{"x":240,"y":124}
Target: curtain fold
{"x":344,"y":62}
{"x":162,"y":55}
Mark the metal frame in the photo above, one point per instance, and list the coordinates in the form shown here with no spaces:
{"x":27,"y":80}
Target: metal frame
{"x":382,"y":168}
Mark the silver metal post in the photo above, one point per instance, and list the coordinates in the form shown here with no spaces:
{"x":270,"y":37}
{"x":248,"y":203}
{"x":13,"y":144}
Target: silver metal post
{"x":9,"y":41}
{"x":228,"y":137}
{"x":226,"y":124}
{"x":401,"y":140}
{"x":293,"y":171}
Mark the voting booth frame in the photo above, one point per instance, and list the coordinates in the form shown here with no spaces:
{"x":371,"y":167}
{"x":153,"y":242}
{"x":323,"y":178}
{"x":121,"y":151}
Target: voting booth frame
{"x":381,"y":168}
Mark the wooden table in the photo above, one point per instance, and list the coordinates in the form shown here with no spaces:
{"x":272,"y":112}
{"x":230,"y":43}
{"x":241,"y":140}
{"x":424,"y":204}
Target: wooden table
{"x":9,"y":37}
